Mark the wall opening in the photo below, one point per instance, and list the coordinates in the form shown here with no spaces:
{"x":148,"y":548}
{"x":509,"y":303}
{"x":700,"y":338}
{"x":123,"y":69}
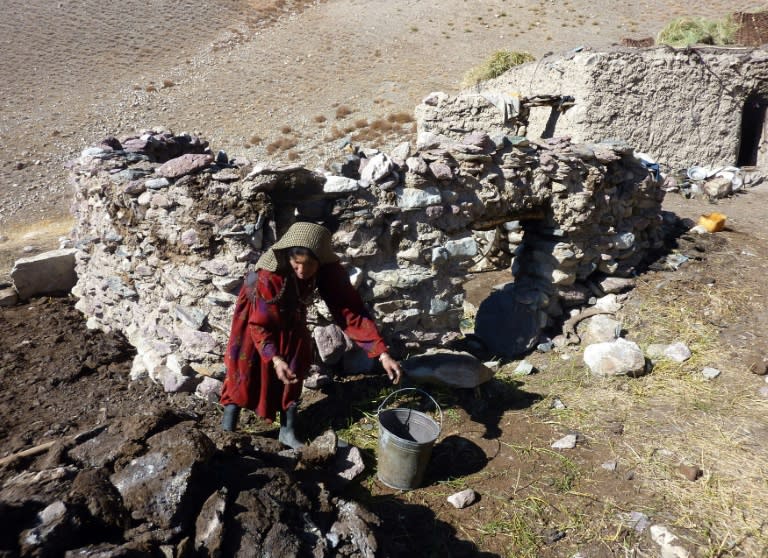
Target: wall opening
{"x":752,"y":144}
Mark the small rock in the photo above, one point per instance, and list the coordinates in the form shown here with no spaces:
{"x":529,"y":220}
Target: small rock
{"x":619,"y":357}
{"x":557,"y":404}
{"x":710,"y":373}
{"x":552,"y":535}
{"x":758,"y":365}
{"x":690,"y":472}
{"x":667,"y":541}
{"x":209,"y":389}
{"x":566,"y":442}
{"x":616,"y":428}
{"x":614,"y":285}
{"x":637,"y":520}
{"x":157,"y":183}
{"x":610,"y":465}
{"x":525,"y":368}
{"x":679,"y":352}
{"x":317,"y":378}
{"x":463,"y":499}
{"x":8,"y":297}
{"x":348,"y":463}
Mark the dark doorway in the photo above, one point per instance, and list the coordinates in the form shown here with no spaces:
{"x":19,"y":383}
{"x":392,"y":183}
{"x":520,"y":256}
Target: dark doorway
{"x":753,"y":137}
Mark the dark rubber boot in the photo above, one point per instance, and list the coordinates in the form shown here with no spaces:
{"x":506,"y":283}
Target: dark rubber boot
{"x":287,"y":434}
{"x":229,"y":420}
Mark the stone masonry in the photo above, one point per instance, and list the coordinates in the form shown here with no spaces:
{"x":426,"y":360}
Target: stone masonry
{"x":695,"y":106}
{"x":165,"y":230}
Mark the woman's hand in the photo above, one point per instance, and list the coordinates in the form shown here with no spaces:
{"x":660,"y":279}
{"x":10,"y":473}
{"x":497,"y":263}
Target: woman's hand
{"x":391,"y":367}
{"x":283,"y":371}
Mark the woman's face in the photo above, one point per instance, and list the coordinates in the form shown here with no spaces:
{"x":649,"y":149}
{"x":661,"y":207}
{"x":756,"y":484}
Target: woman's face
{"x":304,"y":266}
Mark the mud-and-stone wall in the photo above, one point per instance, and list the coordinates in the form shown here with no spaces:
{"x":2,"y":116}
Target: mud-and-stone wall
{"x":166,"y":230}
{"x":683,"y":107}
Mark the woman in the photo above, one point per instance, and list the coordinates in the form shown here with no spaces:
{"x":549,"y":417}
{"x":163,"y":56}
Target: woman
{"x":270,"y":347}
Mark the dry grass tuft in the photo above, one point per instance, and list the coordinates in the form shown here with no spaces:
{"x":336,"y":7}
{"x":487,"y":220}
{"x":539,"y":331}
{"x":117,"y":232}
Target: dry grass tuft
{"x":281,"y":144}
{"x":400,"y":117}
{"x":335,"y":133}
{"x":343,"y":111}
{"x":686,"y":31}
{"x":498,"y":63}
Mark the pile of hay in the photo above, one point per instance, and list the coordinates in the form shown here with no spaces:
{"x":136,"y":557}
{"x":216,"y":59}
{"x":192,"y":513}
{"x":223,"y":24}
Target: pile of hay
{"x":498,"y":63}
{"x":686,"y":31}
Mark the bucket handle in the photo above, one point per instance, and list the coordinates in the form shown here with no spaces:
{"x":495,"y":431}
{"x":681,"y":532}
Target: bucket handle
{"x":439,"y":410}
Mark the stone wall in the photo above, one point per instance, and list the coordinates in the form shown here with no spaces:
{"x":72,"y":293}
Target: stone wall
{"x":165,"y":231}
{"x":682,"y":107}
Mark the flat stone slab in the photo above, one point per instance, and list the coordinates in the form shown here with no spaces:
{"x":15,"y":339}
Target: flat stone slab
{"x":448,"y":368}
{"x":51,"y":272}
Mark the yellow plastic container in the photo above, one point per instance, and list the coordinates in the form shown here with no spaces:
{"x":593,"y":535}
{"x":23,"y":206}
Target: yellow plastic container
{"x":713,"y":222}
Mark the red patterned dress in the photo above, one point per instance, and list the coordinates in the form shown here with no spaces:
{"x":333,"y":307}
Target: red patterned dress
{"x":262,"y":329}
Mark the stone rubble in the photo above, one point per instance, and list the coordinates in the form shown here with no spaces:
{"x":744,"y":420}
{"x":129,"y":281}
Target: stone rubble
{"x":156,"y":484}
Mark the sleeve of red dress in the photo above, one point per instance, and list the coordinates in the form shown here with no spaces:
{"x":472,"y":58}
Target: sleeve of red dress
{"x":348,"y":309}
{"x":263,"y":319}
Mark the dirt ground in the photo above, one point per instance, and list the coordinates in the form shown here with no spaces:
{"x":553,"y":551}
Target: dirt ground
{"x":58,"y":379}
{"x":238,"y":77}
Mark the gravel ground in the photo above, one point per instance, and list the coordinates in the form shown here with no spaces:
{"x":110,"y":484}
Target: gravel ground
{"x":247,"y":74}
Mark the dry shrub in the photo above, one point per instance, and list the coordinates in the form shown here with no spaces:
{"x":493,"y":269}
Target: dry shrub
{"x":366,"y":135}
{"x":637,"y":43}
{"x":254,"y":140}
{"x":342,"y":112}
{"x":335,"y":133}
{"x":168,"y":83}
{"x":292,"y":155}
{"x":286,"y":130}
{"x":150,"y":89}
{"x":349,"y":129}
{"x":361,"y":122}
{"x":320,"y":118}
{"x":400,"y":117}
{"x":281,"y":144}
{"x":137,"y":87}
{"x":381,"y":125}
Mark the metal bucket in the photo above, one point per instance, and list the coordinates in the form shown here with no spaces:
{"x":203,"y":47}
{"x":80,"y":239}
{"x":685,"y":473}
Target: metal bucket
{"x":406,"y":437}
